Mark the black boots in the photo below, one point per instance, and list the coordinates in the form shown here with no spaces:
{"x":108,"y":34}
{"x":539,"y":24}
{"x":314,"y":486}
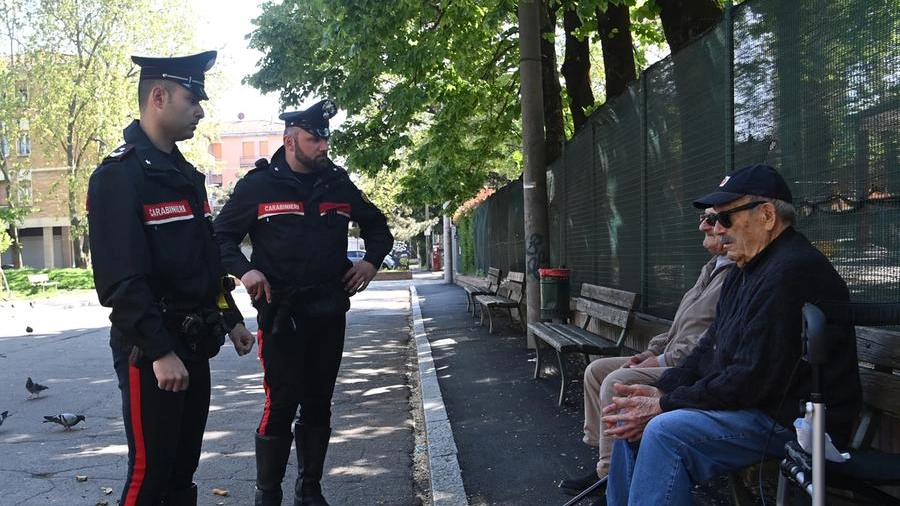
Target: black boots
{"x":312,"y":444}
{"x":183,"y":497}
{"x":272,"y":454}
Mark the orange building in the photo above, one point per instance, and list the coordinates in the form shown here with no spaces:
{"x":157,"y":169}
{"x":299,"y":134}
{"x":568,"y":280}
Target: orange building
{"x":239,"y":145}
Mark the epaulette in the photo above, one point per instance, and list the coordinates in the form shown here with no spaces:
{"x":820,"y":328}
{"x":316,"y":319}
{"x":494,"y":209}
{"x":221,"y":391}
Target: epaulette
{"x":119,"y":153}
{"x":261,"y":164}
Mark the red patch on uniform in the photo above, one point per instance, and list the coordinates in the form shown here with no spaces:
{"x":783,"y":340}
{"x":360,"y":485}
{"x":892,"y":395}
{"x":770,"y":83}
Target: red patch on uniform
{"x":268,"y":209}
{"x":341,"y":208}
{"x":167,"y":212}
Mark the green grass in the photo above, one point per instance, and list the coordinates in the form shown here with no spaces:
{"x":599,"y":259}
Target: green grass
{"x":68,"y":279}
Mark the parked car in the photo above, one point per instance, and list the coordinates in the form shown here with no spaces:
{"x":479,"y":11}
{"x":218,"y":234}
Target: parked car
{"x":357,"y":255}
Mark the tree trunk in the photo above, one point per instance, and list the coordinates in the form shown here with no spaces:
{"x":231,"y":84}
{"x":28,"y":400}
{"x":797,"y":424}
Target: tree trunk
{"x":80,"y":247}
{"x":555,"y":130}
{"x":614,"y":27}
{"x":534,"y":177}
{"x":686,"y":20}
{"x":576,"y":70}
{"x":16,"y":247}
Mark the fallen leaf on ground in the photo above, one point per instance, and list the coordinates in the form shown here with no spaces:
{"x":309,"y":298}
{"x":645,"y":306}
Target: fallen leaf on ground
{"x":102,"y":503}
{"x":220,"y":492}
{"x":81,"y":478}
{"x":106,"y":490}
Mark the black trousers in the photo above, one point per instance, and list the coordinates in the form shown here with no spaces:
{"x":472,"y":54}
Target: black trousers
{"x":300,"y":362}
{"x":164,"y":429}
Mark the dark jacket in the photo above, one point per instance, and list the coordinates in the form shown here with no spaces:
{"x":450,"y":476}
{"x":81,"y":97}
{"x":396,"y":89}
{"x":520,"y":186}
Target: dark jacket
{"x":298,"y":229}
{"x":152,"y":246}
{"x":751,"y":354}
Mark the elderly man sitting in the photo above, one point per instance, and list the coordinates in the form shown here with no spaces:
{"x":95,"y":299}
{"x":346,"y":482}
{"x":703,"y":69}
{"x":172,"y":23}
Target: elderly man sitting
{"x":734,"y":398}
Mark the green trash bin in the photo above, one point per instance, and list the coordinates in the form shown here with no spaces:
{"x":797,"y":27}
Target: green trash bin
{"x":554,"y":294}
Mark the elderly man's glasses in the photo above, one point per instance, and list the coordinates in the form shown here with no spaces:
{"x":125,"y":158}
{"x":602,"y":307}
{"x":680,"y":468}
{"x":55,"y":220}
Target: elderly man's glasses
{"x":724,"y":217}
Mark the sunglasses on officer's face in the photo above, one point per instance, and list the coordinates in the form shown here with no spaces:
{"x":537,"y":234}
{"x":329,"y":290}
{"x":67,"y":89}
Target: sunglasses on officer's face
{"x":724,"y":217}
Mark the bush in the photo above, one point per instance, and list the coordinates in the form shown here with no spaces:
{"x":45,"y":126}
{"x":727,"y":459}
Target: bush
{"x":68,"y":279}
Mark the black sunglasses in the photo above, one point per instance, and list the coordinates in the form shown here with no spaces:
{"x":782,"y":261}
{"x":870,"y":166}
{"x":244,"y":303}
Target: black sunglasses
{"x":724,"y":217}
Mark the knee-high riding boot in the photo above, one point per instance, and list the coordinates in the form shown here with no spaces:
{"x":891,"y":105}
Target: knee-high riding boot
{"x":272,"y":454}
{"x":312,"y":444}
{"x":183,"y":497}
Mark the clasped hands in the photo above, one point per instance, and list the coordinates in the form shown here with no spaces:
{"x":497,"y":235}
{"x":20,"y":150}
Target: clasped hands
{"x":630,"y":412}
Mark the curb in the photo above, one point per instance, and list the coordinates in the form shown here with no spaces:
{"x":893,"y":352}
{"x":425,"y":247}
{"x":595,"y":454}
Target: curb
{"x":446,"y":478}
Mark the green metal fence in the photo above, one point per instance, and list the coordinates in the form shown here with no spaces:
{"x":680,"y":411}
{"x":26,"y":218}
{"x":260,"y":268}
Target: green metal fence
{"x":812,"y":88}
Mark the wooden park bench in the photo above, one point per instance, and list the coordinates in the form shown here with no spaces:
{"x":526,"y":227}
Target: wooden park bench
{"x":509,"y":296}
{"x":487,"y":286}
{"x":42,"y":280}
{"x":612,"y":309}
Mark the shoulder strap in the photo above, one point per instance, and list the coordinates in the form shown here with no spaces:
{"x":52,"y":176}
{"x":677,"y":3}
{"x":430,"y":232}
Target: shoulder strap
{"x":120,"y":153}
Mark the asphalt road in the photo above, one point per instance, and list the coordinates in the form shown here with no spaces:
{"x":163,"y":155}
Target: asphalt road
{"x":369,"y":460}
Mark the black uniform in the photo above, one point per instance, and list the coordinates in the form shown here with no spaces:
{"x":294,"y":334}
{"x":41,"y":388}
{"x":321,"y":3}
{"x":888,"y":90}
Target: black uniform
{"x":156,"y":264}
{"x":298,"y":227}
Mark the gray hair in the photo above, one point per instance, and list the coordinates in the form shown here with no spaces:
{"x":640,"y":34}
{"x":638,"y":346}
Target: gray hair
{"x":785,"y":210}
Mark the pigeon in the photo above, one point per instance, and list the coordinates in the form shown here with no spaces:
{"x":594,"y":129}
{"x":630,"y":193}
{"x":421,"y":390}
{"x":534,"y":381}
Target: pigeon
{"x":34,"y":388}
{"x":67,"y":420}
{"x":3,"y":416}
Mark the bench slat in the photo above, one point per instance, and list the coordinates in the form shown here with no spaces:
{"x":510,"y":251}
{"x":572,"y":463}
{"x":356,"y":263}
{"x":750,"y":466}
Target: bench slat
{"x":608,"y":314}
{"x":621,"y":298}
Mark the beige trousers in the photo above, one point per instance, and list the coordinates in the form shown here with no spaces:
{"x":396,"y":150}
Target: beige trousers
{"x":599,"y":378}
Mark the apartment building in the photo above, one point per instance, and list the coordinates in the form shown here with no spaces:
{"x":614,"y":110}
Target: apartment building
{"x":239,"y":145}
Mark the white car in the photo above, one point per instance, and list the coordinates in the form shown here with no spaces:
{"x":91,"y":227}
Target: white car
{"x":357,"y":255}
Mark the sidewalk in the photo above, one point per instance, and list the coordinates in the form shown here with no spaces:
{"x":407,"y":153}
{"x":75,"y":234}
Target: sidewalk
{"x":514,"y":443}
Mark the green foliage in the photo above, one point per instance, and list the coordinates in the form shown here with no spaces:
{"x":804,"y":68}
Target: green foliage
{"x":431,"y":89}
{"x":466,"y":233}
{"x":5,"y":239}
{"x":68,"y":279}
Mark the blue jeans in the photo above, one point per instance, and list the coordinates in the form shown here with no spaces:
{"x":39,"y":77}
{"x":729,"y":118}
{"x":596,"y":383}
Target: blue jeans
{"x":687,"y":446}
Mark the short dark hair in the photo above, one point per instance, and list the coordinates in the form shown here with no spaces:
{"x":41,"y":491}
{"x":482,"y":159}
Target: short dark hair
{"x":144,"y":87}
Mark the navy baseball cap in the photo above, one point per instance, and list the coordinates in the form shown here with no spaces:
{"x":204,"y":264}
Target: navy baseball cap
{"x":760,"y":180}
{"x":314,"y":119}
{"x":187,"y":71}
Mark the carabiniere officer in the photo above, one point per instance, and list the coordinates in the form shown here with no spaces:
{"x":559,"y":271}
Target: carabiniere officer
{"x":157,"y":265}
{"x":296,"y":210}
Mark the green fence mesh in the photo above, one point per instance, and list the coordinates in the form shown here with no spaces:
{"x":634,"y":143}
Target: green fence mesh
{"x":812,"y":88}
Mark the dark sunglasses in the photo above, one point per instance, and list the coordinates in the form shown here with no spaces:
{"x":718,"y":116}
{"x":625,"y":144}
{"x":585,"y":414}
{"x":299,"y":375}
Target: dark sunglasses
{"x":724,"y":217}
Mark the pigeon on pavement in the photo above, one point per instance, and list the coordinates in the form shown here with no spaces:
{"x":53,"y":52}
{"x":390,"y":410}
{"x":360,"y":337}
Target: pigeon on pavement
{"x":34,"y":388}
{"x":3,"y":416}
{"x":67,"y":420}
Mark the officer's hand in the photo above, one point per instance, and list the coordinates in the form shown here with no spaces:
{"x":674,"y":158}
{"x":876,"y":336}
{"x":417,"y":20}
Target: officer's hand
{"x":357,"y":278}
{"x":257,"y":285}
{"x":170,"y":373}
{"x":242,"y":338}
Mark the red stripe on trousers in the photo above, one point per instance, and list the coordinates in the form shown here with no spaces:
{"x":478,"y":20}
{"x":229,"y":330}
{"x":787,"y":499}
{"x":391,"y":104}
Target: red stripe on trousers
{"x":267,"y":409}
{"x":139,"y":471}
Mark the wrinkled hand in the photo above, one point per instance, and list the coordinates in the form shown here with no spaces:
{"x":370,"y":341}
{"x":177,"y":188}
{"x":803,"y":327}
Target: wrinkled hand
{"x":242,"y":338}
{"x":257,"y":285}
{"x":628,"y":415}
{"x":357,"y":278}
{"x":633,"y":361}
{"x":171,"y":375}
{"x":648,"y":362}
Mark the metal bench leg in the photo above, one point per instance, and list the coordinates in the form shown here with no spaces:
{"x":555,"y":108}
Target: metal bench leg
{"x":468,"y":302}
{"x":484,"y":309}
{"x":563,"y":378}
{"x":490,"y":313}
{"x":537,"y":357}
